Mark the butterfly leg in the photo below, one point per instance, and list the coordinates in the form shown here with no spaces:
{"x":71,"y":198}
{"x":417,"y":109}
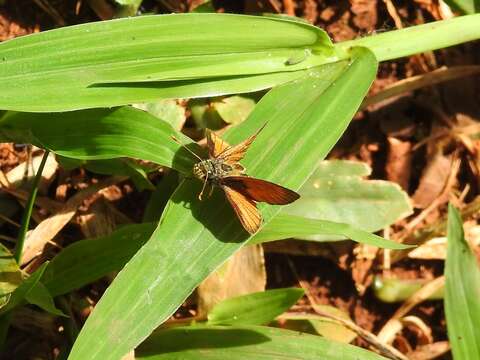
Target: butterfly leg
{"x":211,"y":191}
{"x":200,"y":196}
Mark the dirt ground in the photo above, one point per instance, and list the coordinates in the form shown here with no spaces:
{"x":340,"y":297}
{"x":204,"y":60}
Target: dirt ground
{"x":399,"y":138}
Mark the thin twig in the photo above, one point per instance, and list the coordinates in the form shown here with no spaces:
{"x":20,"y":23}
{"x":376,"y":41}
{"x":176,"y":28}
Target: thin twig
{"x":392,"y":11}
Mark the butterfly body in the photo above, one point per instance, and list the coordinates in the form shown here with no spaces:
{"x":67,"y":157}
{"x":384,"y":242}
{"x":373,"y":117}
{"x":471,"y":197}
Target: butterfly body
{"x":214,"y":170}
{"x":222,"y":169}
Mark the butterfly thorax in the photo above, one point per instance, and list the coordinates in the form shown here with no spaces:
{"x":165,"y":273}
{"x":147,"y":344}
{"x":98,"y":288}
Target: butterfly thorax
{"x":214,"y":170}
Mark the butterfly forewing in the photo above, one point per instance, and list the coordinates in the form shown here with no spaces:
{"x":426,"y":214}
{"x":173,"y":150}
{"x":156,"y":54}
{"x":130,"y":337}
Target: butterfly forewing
{"x":215,"y":144}
{"x":236,"y":153}
{"x":261,"y":190}
{"x":245,"y":209}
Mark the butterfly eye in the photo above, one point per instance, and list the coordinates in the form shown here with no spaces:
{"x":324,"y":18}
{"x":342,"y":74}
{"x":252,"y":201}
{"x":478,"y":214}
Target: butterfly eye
{"x":226,"y":167}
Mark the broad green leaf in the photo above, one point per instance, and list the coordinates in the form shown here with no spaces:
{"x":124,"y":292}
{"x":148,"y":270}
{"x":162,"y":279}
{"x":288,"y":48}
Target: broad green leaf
{"x":337,"y":192}
{"x":194,"y":238}
{"x":65,"y":162}
{"x":168,"y":110}
{"x":21,"y":292}
{"x":101,"y":134}
{"x":462,"y":292}
{"x":40,"y":296}
{"x":154,"y":57}
{"x":254,"y":309}
{"x":285,"y":226}
{"x":245,"y":342}
{"x":88,"y":260}
{"x":465,"y":6}
{"x":234,"y":109}
{"x":10,"y":275}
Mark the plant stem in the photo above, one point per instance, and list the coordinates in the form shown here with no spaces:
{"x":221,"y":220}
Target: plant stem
{"x":420,"y":38}
{"x":28,"y":210}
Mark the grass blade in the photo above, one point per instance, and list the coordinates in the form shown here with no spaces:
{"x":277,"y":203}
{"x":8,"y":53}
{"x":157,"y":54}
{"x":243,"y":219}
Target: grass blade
{"x":245,"y":342}
{"x":284,"y":226}
{"x":462,"y":291}
{"x":254,"y":309}
{"x":88,"y":260}
{"x":101,"y":134}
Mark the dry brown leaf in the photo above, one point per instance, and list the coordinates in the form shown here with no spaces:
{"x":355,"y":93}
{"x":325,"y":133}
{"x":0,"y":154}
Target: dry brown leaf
{"x":17,"y":175}
{"x":423,"y":331}
{"x":436,"y":248}
{"x":50,"y":227}
{"x":242,"y":274}
{"x":432,"y":181}
{"x":98,"y":221}
{"x":430,"y":351}
{"x":399,"y":160}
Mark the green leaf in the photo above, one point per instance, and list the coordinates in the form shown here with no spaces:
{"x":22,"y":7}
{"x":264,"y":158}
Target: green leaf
{"x":21,"y":292}
{"x":194,"y":238}
{"x":465,"y":6}
{"x":462,"y":291}
{"x":234,"y":109}
{"x":285,"y":226}
{"x":245,"y":342}
{"x":88,"y":260}
{"x":254,"y":309}
{"x":154,"y":57}
{"x":10,"y":274}
{"x":168,"y":110}
{"x":336,"y":192}
{"x":101,"y":134}
{"x":40,"y":296}
{"x":65,"y":162}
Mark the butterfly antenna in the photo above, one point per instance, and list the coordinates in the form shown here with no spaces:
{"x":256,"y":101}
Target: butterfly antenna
{"x":186,"y":148}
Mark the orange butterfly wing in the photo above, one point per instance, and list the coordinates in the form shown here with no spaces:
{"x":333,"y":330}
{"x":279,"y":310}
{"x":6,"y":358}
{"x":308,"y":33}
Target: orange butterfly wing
{"x":261,"y":190}
{"x":245,"y":209}
{"x":215,"y":144}
{"x":236,"y":153}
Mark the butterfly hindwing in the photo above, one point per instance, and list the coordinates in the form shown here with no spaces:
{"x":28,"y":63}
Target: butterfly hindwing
{"x":245,"y":209}
{"x":261,"y":190}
